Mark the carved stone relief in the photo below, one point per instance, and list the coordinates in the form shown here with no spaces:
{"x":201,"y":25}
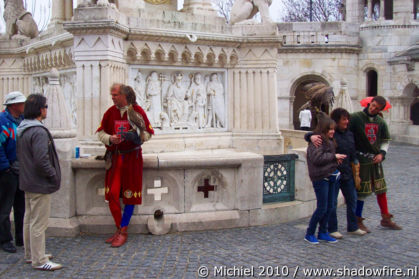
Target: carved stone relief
{"x":68,"y":85}
{"x":177,"y":100}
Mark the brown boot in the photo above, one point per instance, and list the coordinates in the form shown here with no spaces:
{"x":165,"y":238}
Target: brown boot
{"x":361,"y":225}
{"x":121,"y":238}
{"x":386,"y":222}
{"x":110,"y":239}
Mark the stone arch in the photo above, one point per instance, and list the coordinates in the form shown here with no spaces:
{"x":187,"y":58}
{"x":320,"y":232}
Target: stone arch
{"x":298,"y":93}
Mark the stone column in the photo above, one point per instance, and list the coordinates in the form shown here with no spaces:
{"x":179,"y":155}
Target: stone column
{"x":68,"y":14}
{"x":58,"y":11}
{"x":382,"y":4}
{"x":354,"y":11}
{"x":369,"y":14}
{"x":58,"y":121}
{"x":62,"y":10}
{"x":99,"y":58}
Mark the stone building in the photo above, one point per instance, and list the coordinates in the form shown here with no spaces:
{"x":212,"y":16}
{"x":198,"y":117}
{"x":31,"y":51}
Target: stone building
{"x":219,"y":96}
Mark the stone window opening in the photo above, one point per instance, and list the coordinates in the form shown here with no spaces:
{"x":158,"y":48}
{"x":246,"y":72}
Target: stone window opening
{"x":416,"y":9}
{"x":388,"y":9}
{"x":372,"y":81}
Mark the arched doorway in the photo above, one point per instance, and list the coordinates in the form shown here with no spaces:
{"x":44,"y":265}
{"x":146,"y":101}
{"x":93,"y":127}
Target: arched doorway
{"x":414,"y":107}
{"x":414,"y":112}
{"x":372,"y":83}
{"x":300,"y":99}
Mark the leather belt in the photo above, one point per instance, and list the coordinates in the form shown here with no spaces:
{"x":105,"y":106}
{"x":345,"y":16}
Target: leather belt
{"x":128,"y":151}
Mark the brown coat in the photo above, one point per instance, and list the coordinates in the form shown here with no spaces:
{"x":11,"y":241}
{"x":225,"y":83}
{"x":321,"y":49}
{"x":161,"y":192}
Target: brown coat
{"x":321,"y":160}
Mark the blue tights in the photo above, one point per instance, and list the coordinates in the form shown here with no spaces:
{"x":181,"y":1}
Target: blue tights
{"x":126,"y":216}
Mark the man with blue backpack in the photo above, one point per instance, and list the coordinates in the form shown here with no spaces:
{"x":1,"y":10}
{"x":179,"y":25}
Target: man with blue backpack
{"x":10,"y":195}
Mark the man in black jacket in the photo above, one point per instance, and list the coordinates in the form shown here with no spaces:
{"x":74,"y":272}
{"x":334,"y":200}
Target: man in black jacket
{"x":345,"y":145}
{"x":40,"y":175}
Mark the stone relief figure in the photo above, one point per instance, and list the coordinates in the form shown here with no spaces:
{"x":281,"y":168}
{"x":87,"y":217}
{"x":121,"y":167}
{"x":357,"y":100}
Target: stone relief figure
{"x":199,"y":99}
{"x":153,"y":93}
{"x":177,"y":100}
{"x":139,"y":88}
{"x":36,"y":86}
{"x":215,"y":92}
{"x":244,"y":10}
{"x":68,"y":84}
{"x":19,"y":22}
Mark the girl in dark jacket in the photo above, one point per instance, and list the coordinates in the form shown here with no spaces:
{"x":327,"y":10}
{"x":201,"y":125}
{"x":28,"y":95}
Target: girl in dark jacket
{"x":322,"y":164}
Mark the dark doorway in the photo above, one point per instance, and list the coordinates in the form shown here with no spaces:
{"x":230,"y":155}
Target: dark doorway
{"x":414,"y":112}
{"x":372,"y":79}
{"x":388,"y":9}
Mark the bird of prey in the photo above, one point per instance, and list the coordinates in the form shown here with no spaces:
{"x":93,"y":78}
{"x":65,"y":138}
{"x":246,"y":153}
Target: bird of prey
{"x":320,"y":97}
{"x":136,"y":120}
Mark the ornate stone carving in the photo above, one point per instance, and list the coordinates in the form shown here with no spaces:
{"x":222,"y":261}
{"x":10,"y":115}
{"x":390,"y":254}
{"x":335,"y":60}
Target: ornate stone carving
{"x":68,"y":88}
{"x":153,"y":93}
{"x":170,"y":53}
{"x":58,"y":120}
{"x":139,"y":87}
{"x":199,"y":99}
{"x":182,"y":100}
{"x":177,"y":101}
{"x":244,"y":10}
{"x":60,"y":58}
{"x":19,"y":22}
{"x":215,"y":92}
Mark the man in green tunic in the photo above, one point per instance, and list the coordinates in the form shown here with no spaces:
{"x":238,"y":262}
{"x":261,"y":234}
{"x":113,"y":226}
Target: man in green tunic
{"x":371,"y":141}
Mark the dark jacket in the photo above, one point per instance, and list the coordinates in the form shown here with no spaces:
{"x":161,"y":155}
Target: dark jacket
{"x":321,"y":161}
{"x":8,"y":126}
{"x":39,"y":166}
{"x":345,"y":145}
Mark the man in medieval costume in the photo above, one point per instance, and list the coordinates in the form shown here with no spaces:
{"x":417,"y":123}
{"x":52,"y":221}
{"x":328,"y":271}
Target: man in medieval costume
{"x":124,"y":161}
{"x":371,"y":142}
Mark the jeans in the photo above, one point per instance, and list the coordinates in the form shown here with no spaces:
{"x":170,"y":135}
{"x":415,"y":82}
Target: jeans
{"x":8,"y":186}
{"x":324,"y":190}
{"x":349,"y":192}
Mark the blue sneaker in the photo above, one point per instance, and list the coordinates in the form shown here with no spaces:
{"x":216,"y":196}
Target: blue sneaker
{"x":326,"y":237}
{"x":311,"y":239}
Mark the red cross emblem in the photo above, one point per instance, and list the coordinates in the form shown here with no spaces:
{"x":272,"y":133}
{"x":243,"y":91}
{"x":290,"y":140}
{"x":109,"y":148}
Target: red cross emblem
{"x":121,"y":126}
{"x":371,"y":130}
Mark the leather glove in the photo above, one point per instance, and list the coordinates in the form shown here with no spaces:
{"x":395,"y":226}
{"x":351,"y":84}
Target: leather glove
{"x":355,"y":172}
{"x":133,"y":137}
